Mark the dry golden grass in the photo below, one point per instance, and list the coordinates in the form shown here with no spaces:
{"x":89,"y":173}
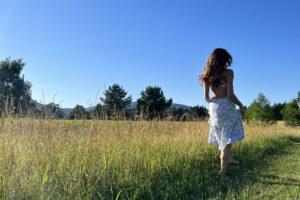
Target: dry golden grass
{"x":48,"y":159}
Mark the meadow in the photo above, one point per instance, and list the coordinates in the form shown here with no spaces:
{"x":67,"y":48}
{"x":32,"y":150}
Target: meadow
{"x":90,"y":159}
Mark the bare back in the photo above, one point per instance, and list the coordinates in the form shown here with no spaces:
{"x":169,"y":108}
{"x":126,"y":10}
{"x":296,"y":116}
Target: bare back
{"x":221,"y":90}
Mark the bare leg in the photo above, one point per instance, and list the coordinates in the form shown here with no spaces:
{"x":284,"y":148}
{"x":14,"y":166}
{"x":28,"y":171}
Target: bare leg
{"x":225,"y":159}
{"x":231,"y":160}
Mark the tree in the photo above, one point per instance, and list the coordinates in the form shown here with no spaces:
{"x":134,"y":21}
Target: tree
{"x":277,"y":111}
{"x":15,"y":92}
{"x":260,"y":109}
{"x":291,"y":112}
{"x":244,"y":114}
{"x":168,"y":114}
{"x":52,"y":111}
{"x":99,"y":112}
{"x":79,"y":112}
{"x":178,"y":113}
{"x":115,"y":101}
{"x":298,"y":99}
{"x":153,"y":103}
{"x":197,"y":112}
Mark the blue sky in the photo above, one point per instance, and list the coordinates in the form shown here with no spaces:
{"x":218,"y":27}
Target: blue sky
{"x":76,"y":49}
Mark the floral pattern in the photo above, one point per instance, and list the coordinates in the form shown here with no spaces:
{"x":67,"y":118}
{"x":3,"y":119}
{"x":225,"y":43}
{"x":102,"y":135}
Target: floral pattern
{"x":226,"y":125}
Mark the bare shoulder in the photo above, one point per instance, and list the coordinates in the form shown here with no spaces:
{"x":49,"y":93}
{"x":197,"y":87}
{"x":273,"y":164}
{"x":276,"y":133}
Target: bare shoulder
{"x":229,"y":73}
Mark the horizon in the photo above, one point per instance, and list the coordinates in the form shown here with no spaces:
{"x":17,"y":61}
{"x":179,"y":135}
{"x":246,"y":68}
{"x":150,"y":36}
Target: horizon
{"x":133,"y":102}
{"x":74,"y":50}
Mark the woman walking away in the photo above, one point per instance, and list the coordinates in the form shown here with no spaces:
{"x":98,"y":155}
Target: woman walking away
{"x":226,"y":125}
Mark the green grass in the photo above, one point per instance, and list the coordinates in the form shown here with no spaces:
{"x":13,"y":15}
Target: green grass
{"x":43,"y":159}
{"x":275,"y":176}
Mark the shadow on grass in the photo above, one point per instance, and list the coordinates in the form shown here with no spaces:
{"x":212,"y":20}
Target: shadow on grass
{"x":200,"y":181}
{"x":276,"y":180}
{"x":294,"y":139}
{"x":196,"y":177}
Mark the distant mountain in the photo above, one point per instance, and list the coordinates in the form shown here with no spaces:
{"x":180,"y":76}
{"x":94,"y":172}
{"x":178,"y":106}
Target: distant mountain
{"x":177,"y":106}
{"x":133,"y":105}
{"x":66,"y":111}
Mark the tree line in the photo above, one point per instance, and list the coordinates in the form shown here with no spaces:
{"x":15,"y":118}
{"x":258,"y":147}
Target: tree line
{"x":16,"y":101}
{"x":151,"y":105}
{"x":261,"y":110}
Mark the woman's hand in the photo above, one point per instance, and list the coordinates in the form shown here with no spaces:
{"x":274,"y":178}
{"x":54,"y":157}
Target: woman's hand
{"x":242,"y":109}
{"x":208,"y":100}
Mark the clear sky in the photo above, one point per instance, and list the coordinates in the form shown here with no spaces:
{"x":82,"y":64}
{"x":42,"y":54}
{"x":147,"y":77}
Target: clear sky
{"x":75,"y":48}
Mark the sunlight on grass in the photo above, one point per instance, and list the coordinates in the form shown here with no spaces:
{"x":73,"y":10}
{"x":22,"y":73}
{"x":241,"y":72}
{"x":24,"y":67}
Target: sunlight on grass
{"x":43,"y":159}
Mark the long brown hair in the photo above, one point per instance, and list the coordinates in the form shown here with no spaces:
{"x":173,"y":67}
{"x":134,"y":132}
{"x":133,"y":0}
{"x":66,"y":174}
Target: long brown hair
{"x":215,"y":66}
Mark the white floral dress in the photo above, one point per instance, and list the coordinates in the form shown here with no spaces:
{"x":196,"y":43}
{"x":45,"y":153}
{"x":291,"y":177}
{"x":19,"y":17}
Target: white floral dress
{"x":226,"y":125}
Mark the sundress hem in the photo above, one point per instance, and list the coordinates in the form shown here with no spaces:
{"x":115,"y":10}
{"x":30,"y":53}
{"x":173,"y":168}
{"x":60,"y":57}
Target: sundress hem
{"x":229,"y":142}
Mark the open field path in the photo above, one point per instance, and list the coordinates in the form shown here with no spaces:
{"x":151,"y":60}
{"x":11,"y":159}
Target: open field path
{"x":277,"y":176}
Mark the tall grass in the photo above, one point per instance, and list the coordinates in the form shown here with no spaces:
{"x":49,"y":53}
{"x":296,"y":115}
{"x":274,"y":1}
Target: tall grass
{"x":48,"y":159}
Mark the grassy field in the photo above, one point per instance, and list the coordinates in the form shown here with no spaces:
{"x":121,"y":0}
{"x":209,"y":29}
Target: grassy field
{"x":43,"y":159}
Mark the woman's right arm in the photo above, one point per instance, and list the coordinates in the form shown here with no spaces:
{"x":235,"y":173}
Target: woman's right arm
{"x":230,"y":91}
{"x":206,"y":92}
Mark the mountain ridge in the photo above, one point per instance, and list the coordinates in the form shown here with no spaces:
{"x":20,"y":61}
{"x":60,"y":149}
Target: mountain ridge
{"x":132,"y":105}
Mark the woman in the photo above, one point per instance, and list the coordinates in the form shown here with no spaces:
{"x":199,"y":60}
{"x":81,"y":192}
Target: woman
{"x":226,"y":126}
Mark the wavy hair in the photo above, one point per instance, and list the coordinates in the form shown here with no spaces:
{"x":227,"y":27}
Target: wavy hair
{"x":215,"y":66}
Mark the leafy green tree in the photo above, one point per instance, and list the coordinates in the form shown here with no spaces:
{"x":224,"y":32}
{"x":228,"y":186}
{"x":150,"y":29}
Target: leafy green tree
{"x":152,"y":103}
{"x":100,"y":112}
{"x":52,"y":111}
{"x":260,"y":109}
{"x":79,"y":112}
{"x":14,"y":90}
{"x":115,"y":101}
{"x":178,"y":113}
{"x":168,"y":114}
{"x":291,"y":112}
{"x":277,"y":111}
{"x":131,"y":114}
{"x":197,"y":112}
{"x":244,"y":113}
